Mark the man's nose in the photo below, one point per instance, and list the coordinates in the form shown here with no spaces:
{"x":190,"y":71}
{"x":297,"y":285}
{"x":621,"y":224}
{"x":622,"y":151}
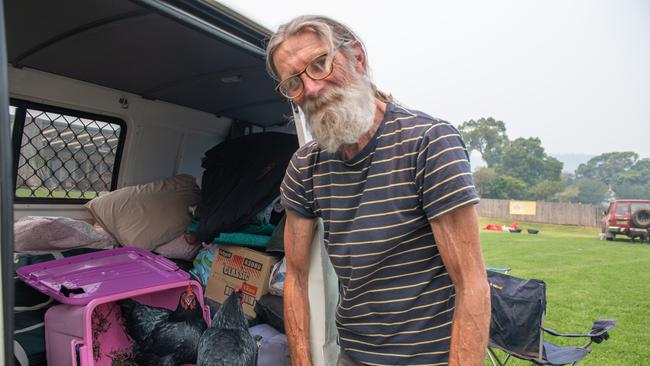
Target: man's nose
{"x":311,"y":88}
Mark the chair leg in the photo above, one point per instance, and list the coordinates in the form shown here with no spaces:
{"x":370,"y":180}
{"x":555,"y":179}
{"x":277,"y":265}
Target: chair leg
{"x":494,"y":359}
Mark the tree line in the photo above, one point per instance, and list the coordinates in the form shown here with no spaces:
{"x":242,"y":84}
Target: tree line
{"x":521,"y":169}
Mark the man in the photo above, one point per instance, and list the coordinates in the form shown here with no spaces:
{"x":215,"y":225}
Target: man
{"x":386,"y":181}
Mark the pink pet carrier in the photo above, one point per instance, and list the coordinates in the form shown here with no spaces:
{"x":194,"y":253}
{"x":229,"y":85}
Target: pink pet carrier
{"x":86,"y":329}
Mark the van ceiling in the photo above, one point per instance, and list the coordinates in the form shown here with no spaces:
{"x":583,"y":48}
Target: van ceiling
{"x":123,"y":45}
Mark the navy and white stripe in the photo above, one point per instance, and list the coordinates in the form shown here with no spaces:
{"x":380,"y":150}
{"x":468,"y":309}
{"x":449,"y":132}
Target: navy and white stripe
{"x":397,"y":300}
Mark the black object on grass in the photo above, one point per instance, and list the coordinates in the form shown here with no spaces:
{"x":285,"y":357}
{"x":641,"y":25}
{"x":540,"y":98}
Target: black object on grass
{"x":532,"y":231}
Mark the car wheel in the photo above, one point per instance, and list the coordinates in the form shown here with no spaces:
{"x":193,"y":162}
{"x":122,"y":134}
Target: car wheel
{"x":641,"y":218}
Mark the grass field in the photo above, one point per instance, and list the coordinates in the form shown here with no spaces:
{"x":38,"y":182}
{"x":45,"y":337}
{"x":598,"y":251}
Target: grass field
{"x":44,"y":193}
{"x":586,"y":279}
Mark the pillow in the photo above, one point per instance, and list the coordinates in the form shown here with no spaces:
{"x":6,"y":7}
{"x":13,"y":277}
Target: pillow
{"x":147,"y":215}
{"x":34,"y":234}
{"x":179,"y":248}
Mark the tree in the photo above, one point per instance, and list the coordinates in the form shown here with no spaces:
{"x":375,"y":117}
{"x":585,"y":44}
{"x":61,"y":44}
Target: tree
{"x":506,"y":187}
{"x":605,"y":166}
{"x":591,"y":191}
{"x":487,"y":136}
{"x":632,"y":191}
{"x":567,"y":178}
{"x":633,"y":183}
{"x":546,"y":190}
{"x":483,"y":179}
{"x":570,"y":194}
{"x":525,"y":159}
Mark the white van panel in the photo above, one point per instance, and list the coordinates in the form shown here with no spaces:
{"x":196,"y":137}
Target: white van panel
{"x":192,"y":149}
{"x":149,"y":149}
{"x":162,"y":139}
{"x":146,"y":121}
{"x":323,"y":285}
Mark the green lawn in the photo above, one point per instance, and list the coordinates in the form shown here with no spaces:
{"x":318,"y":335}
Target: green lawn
{"x":44,"y":193}
{"x":586,"y":279}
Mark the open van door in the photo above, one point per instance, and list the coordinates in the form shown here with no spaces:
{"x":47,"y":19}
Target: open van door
{"x":6,"y":207}
{"x":161,"y":55}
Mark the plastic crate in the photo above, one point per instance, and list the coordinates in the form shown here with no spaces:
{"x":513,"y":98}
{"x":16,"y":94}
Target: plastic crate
{"x":93,"y":334}
{"x":87,"y":328}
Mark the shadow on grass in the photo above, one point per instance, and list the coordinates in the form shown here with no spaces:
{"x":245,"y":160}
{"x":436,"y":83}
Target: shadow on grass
{"x":628,"y":241}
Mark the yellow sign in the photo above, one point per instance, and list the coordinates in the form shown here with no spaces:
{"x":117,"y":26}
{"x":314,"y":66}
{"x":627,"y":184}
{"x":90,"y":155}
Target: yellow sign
{"x":523,"y":208}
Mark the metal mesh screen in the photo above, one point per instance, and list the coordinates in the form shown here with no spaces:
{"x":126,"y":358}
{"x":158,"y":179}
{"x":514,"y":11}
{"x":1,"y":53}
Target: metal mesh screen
{"x":65,"y":156}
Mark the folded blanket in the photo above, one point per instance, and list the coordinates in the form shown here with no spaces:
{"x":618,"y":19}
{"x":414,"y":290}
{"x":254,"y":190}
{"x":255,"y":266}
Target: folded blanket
{"x":261,"y":229}
{"x":243,"y":239}
{"x":203,"y":263}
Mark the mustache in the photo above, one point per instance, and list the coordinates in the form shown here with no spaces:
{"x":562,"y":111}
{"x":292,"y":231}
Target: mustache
{"x":323,"y":100}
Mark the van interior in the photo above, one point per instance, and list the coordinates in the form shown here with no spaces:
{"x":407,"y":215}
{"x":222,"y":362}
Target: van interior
{"x":111,"y":94}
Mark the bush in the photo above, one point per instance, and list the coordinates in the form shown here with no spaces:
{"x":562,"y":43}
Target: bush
{"x":507,"y":187}
{"x":546,"y":190}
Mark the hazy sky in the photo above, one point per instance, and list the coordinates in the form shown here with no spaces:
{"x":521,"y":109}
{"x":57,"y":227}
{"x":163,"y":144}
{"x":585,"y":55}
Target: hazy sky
{"x":574,"y":73}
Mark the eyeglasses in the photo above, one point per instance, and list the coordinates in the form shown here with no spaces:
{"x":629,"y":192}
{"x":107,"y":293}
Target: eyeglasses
{"x":318,"y":69}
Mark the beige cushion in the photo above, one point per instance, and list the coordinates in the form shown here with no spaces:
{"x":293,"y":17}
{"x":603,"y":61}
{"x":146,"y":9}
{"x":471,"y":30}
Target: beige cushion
{"x":147,"y":215}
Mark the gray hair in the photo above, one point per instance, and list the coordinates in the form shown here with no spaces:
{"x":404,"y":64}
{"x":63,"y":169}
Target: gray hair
{"x":332,"y":32}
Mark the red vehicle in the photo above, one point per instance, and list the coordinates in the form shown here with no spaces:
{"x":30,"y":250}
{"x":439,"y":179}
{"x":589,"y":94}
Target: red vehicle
{"x":627,"y":217}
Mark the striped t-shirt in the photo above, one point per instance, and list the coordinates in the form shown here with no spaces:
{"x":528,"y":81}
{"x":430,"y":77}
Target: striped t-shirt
{"x":396,"y":299}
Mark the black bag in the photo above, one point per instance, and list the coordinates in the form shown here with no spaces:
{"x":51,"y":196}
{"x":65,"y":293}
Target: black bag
{"x":242,"y":176}
{"x":269,"y":310}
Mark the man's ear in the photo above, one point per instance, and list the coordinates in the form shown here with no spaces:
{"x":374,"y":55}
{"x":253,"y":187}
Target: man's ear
{"x":361,"y":62}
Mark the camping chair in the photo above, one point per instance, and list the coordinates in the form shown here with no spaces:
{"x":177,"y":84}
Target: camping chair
{"x":517,"y":326}
{"x":499,"y":269}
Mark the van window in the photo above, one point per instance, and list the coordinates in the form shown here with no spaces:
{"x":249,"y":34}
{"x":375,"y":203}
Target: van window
{"x":63,"y":155}
{"x":621,"y":208}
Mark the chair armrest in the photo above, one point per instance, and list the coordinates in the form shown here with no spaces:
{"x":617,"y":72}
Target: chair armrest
{"x":498,"y":269}
{"x":558,"y":334}
{"x":597,"y":334}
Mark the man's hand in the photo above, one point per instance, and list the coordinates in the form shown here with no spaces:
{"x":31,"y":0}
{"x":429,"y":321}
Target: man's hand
{"x":456,"y":234}
{"x":298,"y":236}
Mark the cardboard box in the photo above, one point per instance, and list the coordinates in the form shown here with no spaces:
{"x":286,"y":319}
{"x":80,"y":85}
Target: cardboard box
{"x":240,"y":268}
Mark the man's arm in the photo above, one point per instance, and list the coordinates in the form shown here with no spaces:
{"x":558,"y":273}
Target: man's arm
{"x":298,"y":235}
{"x":456,"y":234}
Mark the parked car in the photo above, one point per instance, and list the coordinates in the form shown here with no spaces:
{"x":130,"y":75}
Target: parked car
{"x":627,"y":217}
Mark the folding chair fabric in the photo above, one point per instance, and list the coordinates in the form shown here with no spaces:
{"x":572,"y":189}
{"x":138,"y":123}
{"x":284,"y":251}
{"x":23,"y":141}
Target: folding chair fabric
{"x":557,"y":355}
{"x":518,"y":307}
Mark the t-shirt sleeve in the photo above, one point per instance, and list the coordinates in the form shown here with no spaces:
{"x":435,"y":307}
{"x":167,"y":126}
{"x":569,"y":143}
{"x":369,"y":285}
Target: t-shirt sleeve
{"x":443,"y":172}
{"x":296,"y":193}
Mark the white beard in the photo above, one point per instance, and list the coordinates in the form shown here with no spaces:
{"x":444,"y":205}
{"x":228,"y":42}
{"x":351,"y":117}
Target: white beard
{"x":342,"y":114}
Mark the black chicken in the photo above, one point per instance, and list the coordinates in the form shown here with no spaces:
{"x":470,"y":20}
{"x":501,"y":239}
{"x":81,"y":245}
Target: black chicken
{"x":227,"y":342}
{"x":163,"y":337}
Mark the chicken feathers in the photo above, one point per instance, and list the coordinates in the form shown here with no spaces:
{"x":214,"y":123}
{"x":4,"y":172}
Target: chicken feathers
{"x":227,"y":342}
{"x":161,"y":336}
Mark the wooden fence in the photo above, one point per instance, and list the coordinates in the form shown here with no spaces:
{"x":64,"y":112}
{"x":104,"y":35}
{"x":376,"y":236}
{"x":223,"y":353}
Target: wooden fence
{"x":546,"y":212}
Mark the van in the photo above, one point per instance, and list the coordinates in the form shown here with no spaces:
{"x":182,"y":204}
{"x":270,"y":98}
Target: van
{"x":142,"y":88}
